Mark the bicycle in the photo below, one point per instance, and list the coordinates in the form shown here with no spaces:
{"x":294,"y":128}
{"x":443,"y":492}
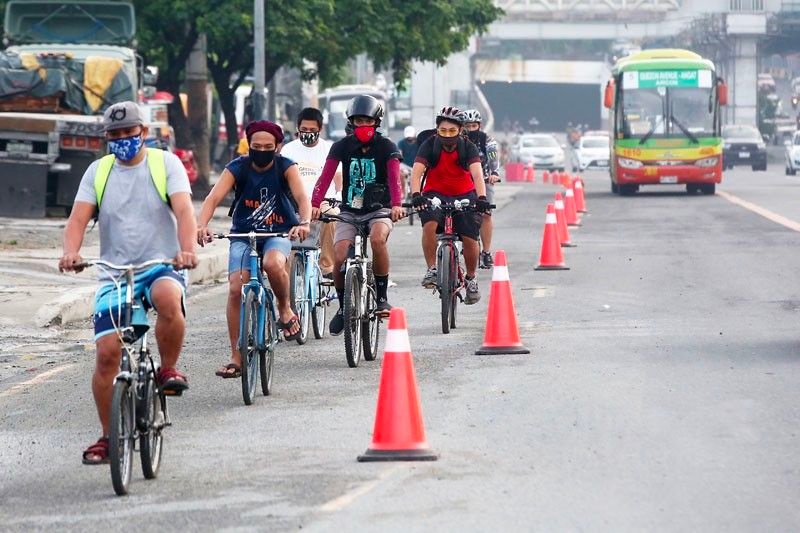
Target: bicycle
{"x":309,"y":290}
{"x":360,"y":301}
{"x":138,"y":405}
{"x":450,"y":271}
{"x":258,"y":322}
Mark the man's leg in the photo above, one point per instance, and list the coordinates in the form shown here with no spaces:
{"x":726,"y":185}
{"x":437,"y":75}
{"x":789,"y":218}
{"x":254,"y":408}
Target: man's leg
{"x":470,"y":250}
{"x":233,"y":314}
{"x":429,"y":243}
{"x":327,"y":257}
{"x":275,"y":266}
{"x":486,"y":232}
{"x":378,"y":237}
{"x":106,"y":366}
{"x":167,"y":298}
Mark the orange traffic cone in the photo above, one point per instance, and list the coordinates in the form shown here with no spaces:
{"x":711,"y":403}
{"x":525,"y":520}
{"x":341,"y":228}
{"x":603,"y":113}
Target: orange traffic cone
{"x":399,"y":433}
{"x":561,"y":220}
{"x":551,"y":256}
{"x":546,"y":176}
{"x":580,"y":201}
{"x":570,"y":210}
{"x":502,"y":333}
{"x":529,"y":173}
{"x":565,"y":180}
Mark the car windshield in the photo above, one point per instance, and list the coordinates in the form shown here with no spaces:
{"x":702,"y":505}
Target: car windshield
{"x":538,"y":142}
{"x":741,"y":132}
{"x":668,"y":112}
{"x":594,"y":142}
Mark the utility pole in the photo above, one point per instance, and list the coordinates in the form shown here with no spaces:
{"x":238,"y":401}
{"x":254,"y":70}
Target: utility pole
{"x":257,"y":99}
{"x":197,"y":96}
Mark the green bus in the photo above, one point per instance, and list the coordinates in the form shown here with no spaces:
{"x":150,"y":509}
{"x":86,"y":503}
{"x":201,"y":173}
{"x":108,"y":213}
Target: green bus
{"x":665,"y":121}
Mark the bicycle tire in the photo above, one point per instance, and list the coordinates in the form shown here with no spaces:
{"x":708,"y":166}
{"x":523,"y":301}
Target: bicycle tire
{"x":267,"y":355}
{"x":248,"y":347}
{"x":445,"y":285}
{"x":319,"y":310}
{"x":120,"y":436}
{"x":455,"y":266}
{"x":352,"y":317}
{"x":151,"y":439}
{"x":370,"y":324}
{"x":298,"y":296}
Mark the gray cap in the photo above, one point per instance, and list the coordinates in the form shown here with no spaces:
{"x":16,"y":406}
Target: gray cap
{"x":122,"y":115}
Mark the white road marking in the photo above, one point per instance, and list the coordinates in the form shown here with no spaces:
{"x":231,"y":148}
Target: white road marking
{"x":337,"y":504}
{"x":757,"y":209}
{"x":19,"y":387}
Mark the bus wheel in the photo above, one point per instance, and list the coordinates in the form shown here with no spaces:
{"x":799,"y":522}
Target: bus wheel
{"x":708,"y":188}
{"x":692,"y":188}
{"x":614,"y":188}
{"x":628,"y":189}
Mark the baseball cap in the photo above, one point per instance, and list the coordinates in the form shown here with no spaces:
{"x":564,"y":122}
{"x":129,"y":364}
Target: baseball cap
{"x":122,"y":115}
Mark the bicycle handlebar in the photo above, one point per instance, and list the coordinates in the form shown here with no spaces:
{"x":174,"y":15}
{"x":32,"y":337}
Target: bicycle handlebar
{"x":138,"y":266}
{"x":248,"y":235}
{"x":455,"y":205}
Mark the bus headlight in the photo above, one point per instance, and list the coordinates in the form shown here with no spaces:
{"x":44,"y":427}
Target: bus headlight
{"x":629,"y":163}
{"x":707,"y":162}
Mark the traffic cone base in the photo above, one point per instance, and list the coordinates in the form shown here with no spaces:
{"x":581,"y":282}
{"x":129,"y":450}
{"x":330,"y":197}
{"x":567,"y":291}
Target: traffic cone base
{"x":399,"y":432}
{"x":551,"y":267}
{"x":501,"y":335}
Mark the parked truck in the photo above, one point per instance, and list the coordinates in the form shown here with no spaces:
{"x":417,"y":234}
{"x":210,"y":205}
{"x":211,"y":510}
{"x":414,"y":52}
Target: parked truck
{"x":66,"y":63}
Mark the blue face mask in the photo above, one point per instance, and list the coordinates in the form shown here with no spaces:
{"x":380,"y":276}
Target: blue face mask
{"x":125,"y":149}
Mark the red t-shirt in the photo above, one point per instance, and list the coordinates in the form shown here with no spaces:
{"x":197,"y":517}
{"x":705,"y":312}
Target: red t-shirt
{"x":448,"y":177}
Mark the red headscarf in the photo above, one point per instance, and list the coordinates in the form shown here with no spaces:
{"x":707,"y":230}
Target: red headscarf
{"x":264,"y":125}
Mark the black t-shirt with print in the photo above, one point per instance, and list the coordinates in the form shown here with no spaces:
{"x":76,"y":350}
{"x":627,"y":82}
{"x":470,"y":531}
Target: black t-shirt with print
{"x":364,"y":173}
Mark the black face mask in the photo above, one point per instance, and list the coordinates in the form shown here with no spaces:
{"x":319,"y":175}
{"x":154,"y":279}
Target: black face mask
{"x":448,"y":143}
{"x":262,"y":158}
{"x":474,"y":136}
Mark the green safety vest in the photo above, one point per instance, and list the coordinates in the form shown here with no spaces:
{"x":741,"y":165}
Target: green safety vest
{"x":155,"y":162}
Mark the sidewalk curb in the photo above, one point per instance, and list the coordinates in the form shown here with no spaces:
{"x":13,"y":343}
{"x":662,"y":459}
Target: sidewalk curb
{"x":77,"y":304}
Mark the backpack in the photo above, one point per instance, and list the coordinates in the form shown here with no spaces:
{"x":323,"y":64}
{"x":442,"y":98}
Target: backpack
{"x":158,"y":173}
{"x":237,"y":194}
{"x":461,"y":147}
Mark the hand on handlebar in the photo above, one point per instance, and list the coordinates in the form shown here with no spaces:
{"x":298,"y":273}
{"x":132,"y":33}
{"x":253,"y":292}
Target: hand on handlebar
{"x":185,"y":260}
{"x":204,"y":235}
{"x":482,"y":205}
{"x":299,"y":232}
{"x":419,"y":201}
{"x":397,"y":213}
{"x":70,"y":261}
{"x":315,"y":213}
{"x":492,"y":179}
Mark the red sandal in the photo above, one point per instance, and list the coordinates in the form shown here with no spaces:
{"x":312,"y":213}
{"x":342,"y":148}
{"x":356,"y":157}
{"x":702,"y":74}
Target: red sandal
{"x":171,"y":381}
{"x":98,"y":449}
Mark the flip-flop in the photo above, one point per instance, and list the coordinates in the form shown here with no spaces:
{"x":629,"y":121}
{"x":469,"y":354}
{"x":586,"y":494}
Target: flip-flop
{"x":225,"y":374}
{"x":287,"y":326}
{"x":99,"y":449}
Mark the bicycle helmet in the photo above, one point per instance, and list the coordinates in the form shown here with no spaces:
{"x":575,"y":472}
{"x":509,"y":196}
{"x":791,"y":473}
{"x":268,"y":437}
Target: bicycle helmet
{"x":451,"y":113}
{"x":365,"y":105}
{"x":472,"y":115}
{"x":409,"y":132}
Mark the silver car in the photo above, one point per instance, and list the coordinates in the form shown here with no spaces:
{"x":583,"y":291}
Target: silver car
{"x":541,"y":149}
{"x":793,"y":155}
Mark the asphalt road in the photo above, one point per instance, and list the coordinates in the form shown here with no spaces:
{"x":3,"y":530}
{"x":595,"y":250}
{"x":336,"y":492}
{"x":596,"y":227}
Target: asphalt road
{"x":661,"y":393}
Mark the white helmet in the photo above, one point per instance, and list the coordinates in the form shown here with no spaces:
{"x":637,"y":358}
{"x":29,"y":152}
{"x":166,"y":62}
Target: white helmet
{"x":409,"y":132}
{"x":472,"y":115}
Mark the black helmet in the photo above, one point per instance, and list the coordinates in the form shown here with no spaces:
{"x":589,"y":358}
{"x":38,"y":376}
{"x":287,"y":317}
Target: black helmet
{"x":451,"y":113}
{"x":365,"y":106}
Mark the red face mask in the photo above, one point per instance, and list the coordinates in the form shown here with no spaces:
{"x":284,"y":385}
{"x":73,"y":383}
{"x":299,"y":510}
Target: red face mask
{"x":364,"y":133}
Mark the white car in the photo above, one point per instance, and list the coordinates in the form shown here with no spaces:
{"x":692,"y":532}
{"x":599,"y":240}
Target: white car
{"x":593,"y":151}
{"x":793,"y":155}
{"x":541,"y":149}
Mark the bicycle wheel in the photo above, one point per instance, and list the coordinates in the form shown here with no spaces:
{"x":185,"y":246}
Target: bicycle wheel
{"x":298,"y":296}
{"x":267,"y":356}
{"x":120,"y":436}
{"x":248,"y":347}
{"x":457,"y":277}
{"x":319,"y":309}
{"x":352,"y":317}
{"x":444,"y":270}
{"x":151,"y":440}
{"x":370,"y":322}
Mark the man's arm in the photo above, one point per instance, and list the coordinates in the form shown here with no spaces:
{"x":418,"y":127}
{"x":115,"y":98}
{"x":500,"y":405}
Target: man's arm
{"x":183,"y":209}
{"x":292,"y":176}
{"x":79,"y":218}
{"x":476,"y":171}
{"x":221,"y":188}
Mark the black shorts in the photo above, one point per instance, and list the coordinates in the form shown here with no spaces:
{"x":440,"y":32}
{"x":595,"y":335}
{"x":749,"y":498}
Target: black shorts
{"x":466,"y":224}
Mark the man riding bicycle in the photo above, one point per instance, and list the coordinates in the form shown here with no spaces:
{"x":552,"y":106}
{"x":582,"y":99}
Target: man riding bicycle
{"x":452,"y":168}
{"x":487,"y":147}
{"x":146,"y":214}
{"x":265,"y":184}
{"x":370,"y":184}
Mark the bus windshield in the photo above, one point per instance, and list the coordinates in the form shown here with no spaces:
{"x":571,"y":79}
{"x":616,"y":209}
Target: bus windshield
{"x":668,"y":112}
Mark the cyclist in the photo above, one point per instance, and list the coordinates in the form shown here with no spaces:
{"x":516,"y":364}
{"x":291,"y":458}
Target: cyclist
{"x":452,"y":168}
{"x":265,"y":185}
{"x":487,"y":147}
{"x":408,"y":145}
{"x":309,"y":151}
{"x":137,"y":223}
{"x":370,"y":183}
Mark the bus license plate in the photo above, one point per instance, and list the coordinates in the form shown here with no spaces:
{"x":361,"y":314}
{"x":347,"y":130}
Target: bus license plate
{"x":668,"y":179}
{"x":744,"y":155}
{"x":19,"y":148}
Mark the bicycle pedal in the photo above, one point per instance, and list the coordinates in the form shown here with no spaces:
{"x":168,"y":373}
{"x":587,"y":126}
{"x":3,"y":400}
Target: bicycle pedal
{"x":173,"y":392}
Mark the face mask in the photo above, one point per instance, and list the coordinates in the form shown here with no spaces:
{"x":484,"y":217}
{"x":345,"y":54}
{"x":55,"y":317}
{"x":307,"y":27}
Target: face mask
{"x":262,"y":158}
{"x":125,"y":149}
{"x":364,"y":133}
{"x":474,"y":136}
{"x":448,"y":142}
{"x":308,"y":138}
